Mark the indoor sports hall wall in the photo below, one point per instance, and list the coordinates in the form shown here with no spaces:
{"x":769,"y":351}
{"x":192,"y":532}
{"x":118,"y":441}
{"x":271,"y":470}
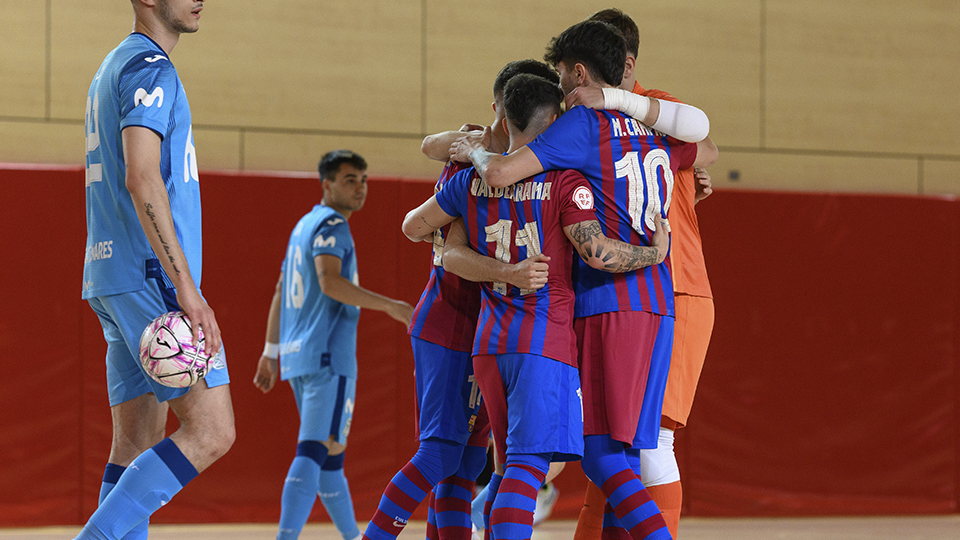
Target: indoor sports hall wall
{"x":832,"y":384}
{"x":809,"y":95}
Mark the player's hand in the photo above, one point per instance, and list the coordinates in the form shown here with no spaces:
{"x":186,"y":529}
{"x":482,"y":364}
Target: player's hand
{"x":704,"y":184}
{"x":401,"y":311}
{"x":461,"y":148}
{"x":531,"y":273}
{"x":582,"y":95}
{"x":471,"y":127}
{"x":266,"y":376}
{"x":661,"y":238}
{"x":202,"y":318}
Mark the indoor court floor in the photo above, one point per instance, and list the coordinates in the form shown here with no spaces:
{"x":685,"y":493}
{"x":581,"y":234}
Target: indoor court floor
{"x":844,"y":528}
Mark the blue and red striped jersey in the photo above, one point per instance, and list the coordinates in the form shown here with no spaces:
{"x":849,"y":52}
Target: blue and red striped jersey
{"x":512,"y":224}
{"x":447,"y":312}
{"x":631,"y":171}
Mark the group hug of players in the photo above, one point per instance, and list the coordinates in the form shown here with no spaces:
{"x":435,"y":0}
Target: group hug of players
{"x":551,"y":289}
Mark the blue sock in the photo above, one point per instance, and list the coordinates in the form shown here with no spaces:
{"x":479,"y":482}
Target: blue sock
{"x":335,"y":496}
{"x":147,"y":484}
{"x":111,"y":475}
{"x":476,"y":508}
{"x":300,"y":488}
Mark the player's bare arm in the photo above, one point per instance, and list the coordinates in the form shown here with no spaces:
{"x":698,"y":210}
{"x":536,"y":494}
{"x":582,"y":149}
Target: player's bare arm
{"x":420,"y":223}
{"x":614,"y":256}
{"x":704,"y":184}
{"x":141,"y":153}
{"x":344,"y":291}
{"x":496,"y":170}
{"x":462,"y":260}
{"x":707,"y":153}
{"x":268,"y":366}
{"x":437,"y":146}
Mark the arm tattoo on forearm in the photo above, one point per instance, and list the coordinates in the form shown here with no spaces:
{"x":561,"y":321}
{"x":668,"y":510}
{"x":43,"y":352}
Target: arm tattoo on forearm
{"x":622,"y":257}
{"x":148,"y":209}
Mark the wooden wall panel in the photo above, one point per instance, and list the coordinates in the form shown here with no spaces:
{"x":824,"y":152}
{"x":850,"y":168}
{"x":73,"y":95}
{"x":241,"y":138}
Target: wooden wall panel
{"x":82,"y":33}
{"x":22,"y":59}
{"x":815,"y":173}
{"x":41,"y":142}
{"x":706,"y":54}
{"x":271,"y":85}
{"x":306,"y":65}
{"x":872,"y":76}
{"x":217,"y":148}
{"x":941,"y":176}
{"x":393,"y":156}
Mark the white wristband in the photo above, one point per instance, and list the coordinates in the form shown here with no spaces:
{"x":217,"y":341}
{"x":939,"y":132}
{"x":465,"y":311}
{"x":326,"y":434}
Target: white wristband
{"x":271,"y":350}
{"x":630,"y":104}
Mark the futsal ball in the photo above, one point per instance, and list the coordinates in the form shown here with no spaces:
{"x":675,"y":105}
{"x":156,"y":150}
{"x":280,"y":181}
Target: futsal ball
{"x":168,"y":355}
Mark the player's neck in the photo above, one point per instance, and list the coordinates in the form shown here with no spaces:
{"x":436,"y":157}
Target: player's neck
{"x":155,"y":30}
{"x":343,"y":211}
{"x":518,"y":141}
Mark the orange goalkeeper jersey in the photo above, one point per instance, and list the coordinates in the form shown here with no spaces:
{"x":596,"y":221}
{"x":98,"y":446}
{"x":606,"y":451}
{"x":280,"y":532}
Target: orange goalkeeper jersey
{"x":686,"y":249}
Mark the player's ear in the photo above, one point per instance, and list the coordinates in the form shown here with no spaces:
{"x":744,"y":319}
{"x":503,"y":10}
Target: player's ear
{"x":506,"y":125}
{"x":493,"y":105}
{"x":581,"y":72}
{"x":628,"y":68}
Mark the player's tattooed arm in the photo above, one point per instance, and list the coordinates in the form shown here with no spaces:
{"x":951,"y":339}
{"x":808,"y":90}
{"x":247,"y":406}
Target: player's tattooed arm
{"x":612,"y":255}
{"x":141,"y":153}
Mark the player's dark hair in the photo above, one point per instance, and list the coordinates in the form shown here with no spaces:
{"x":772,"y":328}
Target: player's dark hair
{"x":597,"y":45}
{"x":622,"y":22}
{"x":531,"y":66}
{"x":331,"y":161}
{"x":528,"y":99}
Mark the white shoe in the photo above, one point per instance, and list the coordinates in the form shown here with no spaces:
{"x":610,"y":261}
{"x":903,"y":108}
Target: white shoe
{"x":546,"y":498}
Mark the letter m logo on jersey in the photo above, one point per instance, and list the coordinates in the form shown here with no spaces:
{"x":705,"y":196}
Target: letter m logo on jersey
{"x":141,"y":96}
{"x":320,"y":241}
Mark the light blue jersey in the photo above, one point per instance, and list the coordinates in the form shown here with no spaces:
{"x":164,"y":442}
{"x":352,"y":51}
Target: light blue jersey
{"x":315,"y":330}
{"x":136,"y":86}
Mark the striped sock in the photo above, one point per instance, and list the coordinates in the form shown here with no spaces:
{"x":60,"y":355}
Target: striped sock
{"x":634,"y":508}
{"x":512,"y":514}
{"x":605,"y":462}
{"x":612,"y":528}
{"x":454,"y":496}
{"x":403,"y":495}
{"x":432,"y":533}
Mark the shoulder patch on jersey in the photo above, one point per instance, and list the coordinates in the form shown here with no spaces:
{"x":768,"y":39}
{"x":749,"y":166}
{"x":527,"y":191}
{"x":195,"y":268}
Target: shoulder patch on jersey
{"x":321,"y":242}
{"x":335,"y":221}
{"x":155,"y":58}
{"x":141,"y":96}
{"x":583,"y":198}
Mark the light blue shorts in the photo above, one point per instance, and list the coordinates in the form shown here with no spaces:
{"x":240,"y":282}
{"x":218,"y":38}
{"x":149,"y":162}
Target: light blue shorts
{"x":123,"y":318}
{"x":325,"y":401}
{"x":448,"y":397}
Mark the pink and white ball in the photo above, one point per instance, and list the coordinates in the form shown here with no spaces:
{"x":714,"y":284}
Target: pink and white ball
{"x":168,"y":355}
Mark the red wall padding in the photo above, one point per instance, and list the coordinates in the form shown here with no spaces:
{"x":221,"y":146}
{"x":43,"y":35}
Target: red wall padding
{"x":832,"y":385}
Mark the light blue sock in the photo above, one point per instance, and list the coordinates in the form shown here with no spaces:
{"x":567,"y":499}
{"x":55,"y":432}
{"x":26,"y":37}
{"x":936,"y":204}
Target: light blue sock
{"x":300,"y":488}
{"x":147,"y":484}
{"x":476,"y":507}
{"x":335,"y":496}
{"x":111,"y":475}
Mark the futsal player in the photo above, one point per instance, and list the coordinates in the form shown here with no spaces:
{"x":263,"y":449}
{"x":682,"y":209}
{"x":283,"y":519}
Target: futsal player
{"x":624,"y":322}
{"x":312,"y":329}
